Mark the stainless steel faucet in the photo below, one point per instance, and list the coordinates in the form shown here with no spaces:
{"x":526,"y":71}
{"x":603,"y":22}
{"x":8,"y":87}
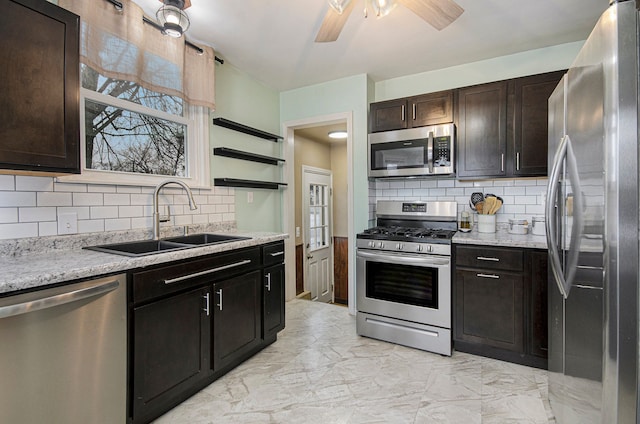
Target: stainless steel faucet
{"x":156,"y":213}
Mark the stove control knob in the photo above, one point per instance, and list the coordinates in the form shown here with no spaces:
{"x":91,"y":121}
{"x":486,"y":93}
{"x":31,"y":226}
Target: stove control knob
{"x":381,"y":245}
{"x":372,"y":244}
{"x":419,"y":248}
{"x":429,"y":248}
{"x":399,"y":246}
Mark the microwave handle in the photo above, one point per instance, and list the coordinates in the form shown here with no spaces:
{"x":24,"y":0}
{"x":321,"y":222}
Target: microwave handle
{"x":430,"y":152}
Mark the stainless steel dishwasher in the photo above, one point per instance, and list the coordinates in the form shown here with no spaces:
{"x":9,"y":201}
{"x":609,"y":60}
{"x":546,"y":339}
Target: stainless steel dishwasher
{"x":63,"y":354}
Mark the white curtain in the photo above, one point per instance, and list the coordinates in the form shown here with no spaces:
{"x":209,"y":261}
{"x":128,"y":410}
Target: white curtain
{"x":119,"y":45}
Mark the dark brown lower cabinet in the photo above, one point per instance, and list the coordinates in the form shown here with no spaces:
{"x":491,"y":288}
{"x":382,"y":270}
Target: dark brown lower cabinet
{"x":273,"y":310}
{"x":237,"y":318}
{"x":170,"y":350}
{"x":500,"y":303}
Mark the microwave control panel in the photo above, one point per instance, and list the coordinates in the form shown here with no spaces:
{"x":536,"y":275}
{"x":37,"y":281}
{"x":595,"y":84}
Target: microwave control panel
{"x":442,"y":151}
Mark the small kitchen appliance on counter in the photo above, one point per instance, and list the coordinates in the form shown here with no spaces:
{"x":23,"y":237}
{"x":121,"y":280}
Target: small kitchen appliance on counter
{"x":403,"y":275}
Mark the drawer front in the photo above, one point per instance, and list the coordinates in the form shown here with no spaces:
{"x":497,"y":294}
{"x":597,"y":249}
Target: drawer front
{"x":178,"y":276}
{"x":490,"y":258}
{"x":273,"y":253}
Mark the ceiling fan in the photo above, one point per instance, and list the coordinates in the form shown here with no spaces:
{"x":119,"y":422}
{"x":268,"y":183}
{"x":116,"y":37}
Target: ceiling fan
{"x":438,"y":13}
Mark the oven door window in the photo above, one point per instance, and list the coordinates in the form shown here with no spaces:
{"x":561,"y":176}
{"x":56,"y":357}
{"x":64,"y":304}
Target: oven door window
{"x":411,"y":285}
{"x":399,"y":155}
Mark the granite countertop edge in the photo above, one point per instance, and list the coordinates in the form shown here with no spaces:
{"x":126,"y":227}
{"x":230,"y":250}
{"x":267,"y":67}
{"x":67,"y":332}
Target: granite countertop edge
{"x":501,"y":238}
{"x":53,"y":267}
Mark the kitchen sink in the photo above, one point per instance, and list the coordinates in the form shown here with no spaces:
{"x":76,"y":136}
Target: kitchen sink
{"x":152,"y":247}
{"x":206,"y":238}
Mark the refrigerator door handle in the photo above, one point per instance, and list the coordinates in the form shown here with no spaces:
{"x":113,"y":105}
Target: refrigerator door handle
{"x":550,"y":221}
{"x":578,"y":211}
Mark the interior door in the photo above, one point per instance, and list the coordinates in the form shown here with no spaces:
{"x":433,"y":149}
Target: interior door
{"x":317,"y":206}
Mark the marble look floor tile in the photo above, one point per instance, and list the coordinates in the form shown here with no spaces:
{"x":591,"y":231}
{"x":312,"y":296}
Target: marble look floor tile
{"x":320,"y":371}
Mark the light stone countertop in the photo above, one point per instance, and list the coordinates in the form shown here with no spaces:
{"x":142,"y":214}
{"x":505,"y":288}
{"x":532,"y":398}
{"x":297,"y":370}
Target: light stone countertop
{"x":28,"y":271}
{"x":501,"y":237}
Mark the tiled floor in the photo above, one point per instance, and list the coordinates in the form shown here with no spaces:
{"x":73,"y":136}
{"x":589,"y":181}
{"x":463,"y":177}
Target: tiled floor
{"x":320,"y":371}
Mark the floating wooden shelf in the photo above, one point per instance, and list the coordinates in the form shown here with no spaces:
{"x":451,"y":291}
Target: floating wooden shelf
{"x":222,"y":122}
{"x":238,"y":154}
{"x":233,"y":182}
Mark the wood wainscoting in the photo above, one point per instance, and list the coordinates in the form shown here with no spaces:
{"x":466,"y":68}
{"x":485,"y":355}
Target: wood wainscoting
{"x":341,"y":269}
{"x":299,"y":269}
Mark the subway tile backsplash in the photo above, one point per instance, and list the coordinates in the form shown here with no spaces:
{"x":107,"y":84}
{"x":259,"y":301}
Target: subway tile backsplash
{"x":30,"y":206}
{"x":523,"y":197}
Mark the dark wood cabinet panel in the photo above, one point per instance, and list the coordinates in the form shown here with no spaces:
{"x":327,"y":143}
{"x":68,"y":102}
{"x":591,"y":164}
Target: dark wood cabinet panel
{"x":388,"y":115}
{"x":39,"y":109}
{"x":538,"y":320}
{"x":273,"y":310}
{"x":500,"y":304}
{"x":340,"y":270}
{"x":528,"y":132}
{"x":482,"y":142}
{"x":431,"y":109}
{"x":410,"y":112}
{"x":237,"y":318}
{"x":489,"y":309}
{"x":170,"y":350}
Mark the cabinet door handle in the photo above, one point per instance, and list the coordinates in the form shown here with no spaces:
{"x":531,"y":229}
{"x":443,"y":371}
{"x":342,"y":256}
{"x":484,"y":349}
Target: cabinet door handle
{"x":518,"y":161}
{"x":403,"y":113}
{"x":502,"y":162}
{"x":208,"y":271}
{"x":206,"y":301}
{"x":414,"y":111}
{"x":219,"y":305}
{"x":268,"y":286}
{"x":277,"y":253}
{"x":495,"y":277}
{"x":484,"y":258}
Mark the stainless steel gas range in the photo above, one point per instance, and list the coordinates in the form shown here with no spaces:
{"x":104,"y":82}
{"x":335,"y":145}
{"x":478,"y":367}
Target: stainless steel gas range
{"x":403,"y":275}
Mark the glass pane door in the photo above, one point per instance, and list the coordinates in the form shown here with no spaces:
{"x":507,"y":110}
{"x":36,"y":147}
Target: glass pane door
{"x":318,"y":216}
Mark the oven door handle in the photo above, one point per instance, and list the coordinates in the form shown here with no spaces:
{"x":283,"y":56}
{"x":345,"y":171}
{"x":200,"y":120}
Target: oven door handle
{"x":394,"y":258}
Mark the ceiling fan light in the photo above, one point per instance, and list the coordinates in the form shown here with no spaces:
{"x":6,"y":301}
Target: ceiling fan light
{"x":382,"y":7}
{"x":173,"y":20}
{"x":339,"y":5}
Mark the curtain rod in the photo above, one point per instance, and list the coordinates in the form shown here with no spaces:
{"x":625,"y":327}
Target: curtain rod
{"x":118,"y":5}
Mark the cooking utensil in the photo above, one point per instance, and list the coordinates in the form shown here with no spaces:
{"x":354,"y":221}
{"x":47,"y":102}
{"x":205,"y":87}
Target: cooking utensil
{"x":476,"y":197}
{"x":489,"y":203}
{"x":480,"y":207}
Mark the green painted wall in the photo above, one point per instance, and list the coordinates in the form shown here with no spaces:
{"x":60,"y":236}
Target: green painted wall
{"x":245,"y":100}
{"x":343,"y":95}
{"x":504,"y":67}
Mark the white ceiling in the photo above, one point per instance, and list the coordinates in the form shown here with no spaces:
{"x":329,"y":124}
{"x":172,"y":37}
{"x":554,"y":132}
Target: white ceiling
{"x":273,"y":40}
{"x":320,"y":134}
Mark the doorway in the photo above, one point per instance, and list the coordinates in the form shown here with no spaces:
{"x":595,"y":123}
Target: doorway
{"x":317,"y":233}
{"x":307,"y":145}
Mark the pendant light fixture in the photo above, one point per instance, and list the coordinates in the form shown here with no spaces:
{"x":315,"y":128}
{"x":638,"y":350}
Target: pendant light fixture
{"x":172,"y":18}
{"x":382,"y":7}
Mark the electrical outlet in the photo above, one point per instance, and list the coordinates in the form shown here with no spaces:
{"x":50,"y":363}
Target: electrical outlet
{"x":297,"y":231}
{"x":68,"y":223}
{"x":250,"y":197}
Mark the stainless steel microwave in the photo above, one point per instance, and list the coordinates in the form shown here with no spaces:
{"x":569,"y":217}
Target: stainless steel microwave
{"x":412,"y":152}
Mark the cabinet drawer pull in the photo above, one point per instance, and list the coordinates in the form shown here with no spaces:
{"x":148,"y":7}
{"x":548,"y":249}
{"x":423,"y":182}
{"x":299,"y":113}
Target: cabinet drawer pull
{"x":495,"y":277}
{"x":206,"y":299}
{"x":403,"y":115}
{"x":502,"y":162}
{"x":518,"y":161}
{"x":208,"y":271}
{"x":219,"y":305}
{"x":268,"y":286}
{"x":277,"y":253}
{"x":414,"y":111}
{"x":484,"y":258}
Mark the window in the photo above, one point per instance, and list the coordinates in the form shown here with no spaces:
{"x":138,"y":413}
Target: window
{"x":130,"y":130}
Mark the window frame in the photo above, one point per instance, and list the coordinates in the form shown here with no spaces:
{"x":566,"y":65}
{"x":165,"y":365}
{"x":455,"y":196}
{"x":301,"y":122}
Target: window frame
{"x":197,"y":141}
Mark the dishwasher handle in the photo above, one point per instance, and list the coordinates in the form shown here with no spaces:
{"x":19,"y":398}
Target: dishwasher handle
{"x":58,"y":299}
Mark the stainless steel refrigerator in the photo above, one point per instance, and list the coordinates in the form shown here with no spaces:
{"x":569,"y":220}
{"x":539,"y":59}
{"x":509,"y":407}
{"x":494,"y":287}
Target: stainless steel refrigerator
{"x":592,"y":218}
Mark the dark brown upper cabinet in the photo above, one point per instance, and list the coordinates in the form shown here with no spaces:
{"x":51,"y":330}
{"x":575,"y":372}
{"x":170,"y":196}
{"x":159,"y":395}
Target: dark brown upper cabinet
{"x":482,"y":130}
{"x":39,"y":106}
{"x":411,"y":112}
{"x":527,"y":133}
{"x":502,"y":127}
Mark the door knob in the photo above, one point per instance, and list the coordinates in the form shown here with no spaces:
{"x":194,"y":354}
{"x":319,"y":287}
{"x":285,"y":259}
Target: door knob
{"x":309,"y":256}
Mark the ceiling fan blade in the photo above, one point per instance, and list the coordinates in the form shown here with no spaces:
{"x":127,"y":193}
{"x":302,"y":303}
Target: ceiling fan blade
{"x":333,"y":23}
{"x":438,"y":13}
